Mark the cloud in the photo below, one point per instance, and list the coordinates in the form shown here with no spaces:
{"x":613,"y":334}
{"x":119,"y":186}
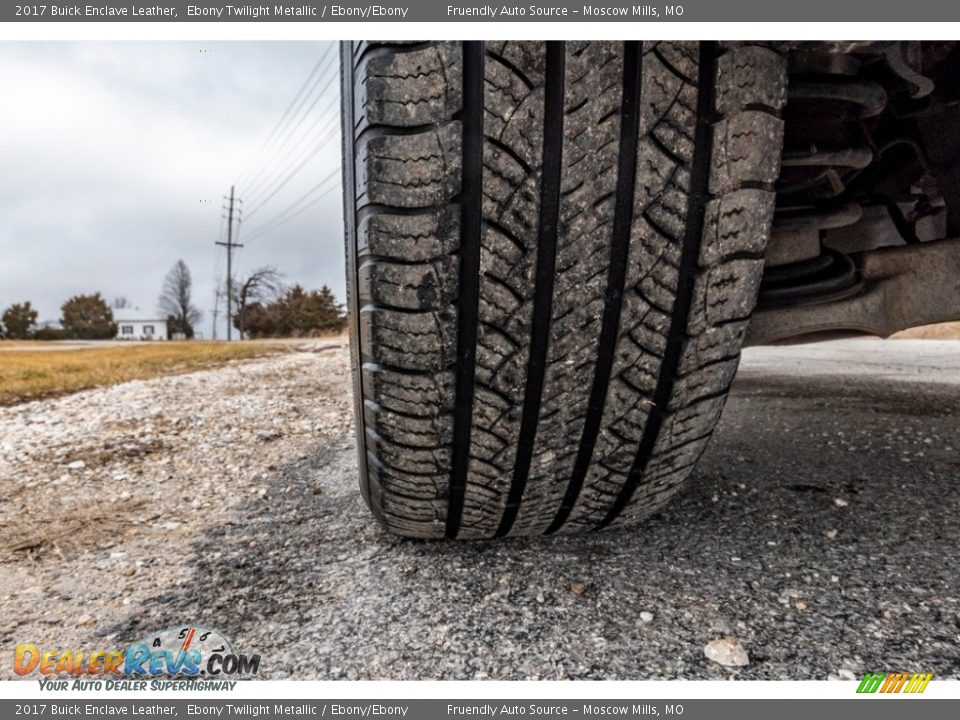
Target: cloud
{"x":116,"y":157}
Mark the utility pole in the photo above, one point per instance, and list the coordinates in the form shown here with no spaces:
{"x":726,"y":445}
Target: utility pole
{"x":230,"y":245}
{"x":216,"y":309}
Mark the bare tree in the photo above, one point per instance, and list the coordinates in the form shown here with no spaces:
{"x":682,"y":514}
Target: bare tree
{"x":175,"y":300}
{"x":120,"y":302}
{"x":262,"y":284}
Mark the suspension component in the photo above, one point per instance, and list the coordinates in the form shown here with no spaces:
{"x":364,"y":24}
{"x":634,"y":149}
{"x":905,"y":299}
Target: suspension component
{"x":869,"y":96}
{"x":827,"y":277}
{"x":829,"y":100}
{"x":870,"y":186}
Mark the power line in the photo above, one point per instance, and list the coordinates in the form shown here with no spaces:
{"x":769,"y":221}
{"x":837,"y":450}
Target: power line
{"x":256,"y":232}
{"x":326,"y":117}
{"x":280,"y":122}
{"x":309,"y":205}
{"x":256,"y":177}
{"x":292,"y":132}
{"x":312,"y":131}
{"x":316,"y":150}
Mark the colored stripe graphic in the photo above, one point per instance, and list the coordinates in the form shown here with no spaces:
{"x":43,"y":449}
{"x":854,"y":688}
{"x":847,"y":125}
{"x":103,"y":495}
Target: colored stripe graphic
{"x":870,"y":683}
{"x":894,"y":682}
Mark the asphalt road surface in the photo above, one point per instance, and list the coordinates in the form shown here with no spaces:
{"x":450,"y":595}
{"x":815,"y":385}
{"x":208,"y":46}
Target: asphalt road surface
{"x":820,"y":529}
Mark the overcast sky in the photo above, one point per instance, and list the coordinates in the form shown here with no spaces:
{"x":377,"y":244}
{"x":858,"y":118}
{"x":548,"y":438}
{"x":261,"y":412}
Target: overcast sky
{"x":114,"y":158}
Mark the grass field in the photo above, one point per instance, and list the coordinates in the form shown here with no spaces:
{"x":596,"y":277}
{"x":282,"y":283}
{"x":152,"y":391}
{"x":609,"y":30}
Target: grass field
{"x":29,"y":371}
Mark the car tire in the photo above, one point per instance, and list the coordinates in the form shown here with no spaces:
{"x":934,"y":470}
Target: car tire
{"x":553,"y":253}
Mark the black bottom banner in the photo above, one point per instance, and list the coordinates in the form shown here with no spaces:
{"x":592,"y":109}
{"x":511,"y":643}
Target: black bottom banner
{"x":874,"y":708}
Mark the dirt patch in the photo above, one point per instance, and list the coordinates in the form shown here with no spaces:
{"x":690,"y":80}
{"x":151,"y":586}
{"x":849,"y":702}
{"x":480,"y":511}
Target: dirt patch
{"x":73,"y":529}
{"x":102,"y":491}
{"x":940,"y":331}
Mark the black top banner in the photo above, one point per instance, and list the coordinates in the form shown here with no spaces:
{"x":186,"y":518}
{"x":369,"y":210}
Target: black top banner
{"x":738,"y":11}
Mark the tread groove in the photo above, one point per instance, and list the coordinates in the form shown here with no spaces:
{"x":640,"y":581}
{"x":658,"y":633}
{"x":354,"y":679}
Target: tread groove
{"x":504,"y":148}
{"x":547,"y":232}
{"x":511,"y":67}
{"x":692,"y":239}
{"x":616,"y":276}
{"x":471,"y":199}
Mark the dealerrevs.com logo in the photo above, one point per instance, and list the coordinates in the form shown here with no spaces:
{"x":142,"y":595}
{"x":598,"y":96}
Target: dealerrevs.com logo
{"x":186,"y":652}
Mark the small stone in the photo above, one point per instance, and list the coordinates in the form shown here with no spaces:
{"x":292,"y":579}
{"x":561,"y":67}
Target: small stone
{"x":500,"y":592}
{"x":129,"y":571}
{"x":540,"y":597}
{"x":830,"y":533}
{"x":840,"y":502}
{"x":86,"y":620}
{"x":77,"y":465}
{"x":800,"y":605}
{"x":727,"y":652}
{"x":646,"y":617}
{"x":845,"y":674}
{"x":578,"y":588}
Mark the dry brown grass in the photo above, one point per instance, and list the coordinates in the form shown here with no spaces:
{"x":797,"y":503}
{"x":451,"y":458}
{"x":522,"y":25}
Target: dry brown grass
{"x":941,"y":331}
{"x":28,"y":373}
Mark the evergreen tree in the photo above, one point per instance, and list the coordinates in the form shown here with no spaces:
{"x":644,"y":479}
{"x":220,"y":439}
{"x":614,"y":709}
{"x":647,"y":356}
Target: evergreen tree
{"x":88,"y":317}
{"x":19,"y":320}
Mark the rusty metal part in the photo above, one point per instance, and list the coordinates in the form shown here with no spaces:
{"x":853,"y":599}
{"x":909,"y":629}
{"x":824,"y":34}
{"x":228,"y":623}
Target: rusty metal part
{"x":903,"y":287}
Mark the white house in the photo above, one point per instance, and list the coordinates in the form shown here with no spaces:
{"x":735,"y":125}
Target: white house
{"x":134,"y":324}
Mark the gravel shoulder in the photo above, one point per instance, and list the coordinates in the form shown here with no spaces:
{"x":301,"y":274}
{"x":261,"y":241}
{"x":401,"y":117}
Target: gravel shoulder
{"x":820,"y":530}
